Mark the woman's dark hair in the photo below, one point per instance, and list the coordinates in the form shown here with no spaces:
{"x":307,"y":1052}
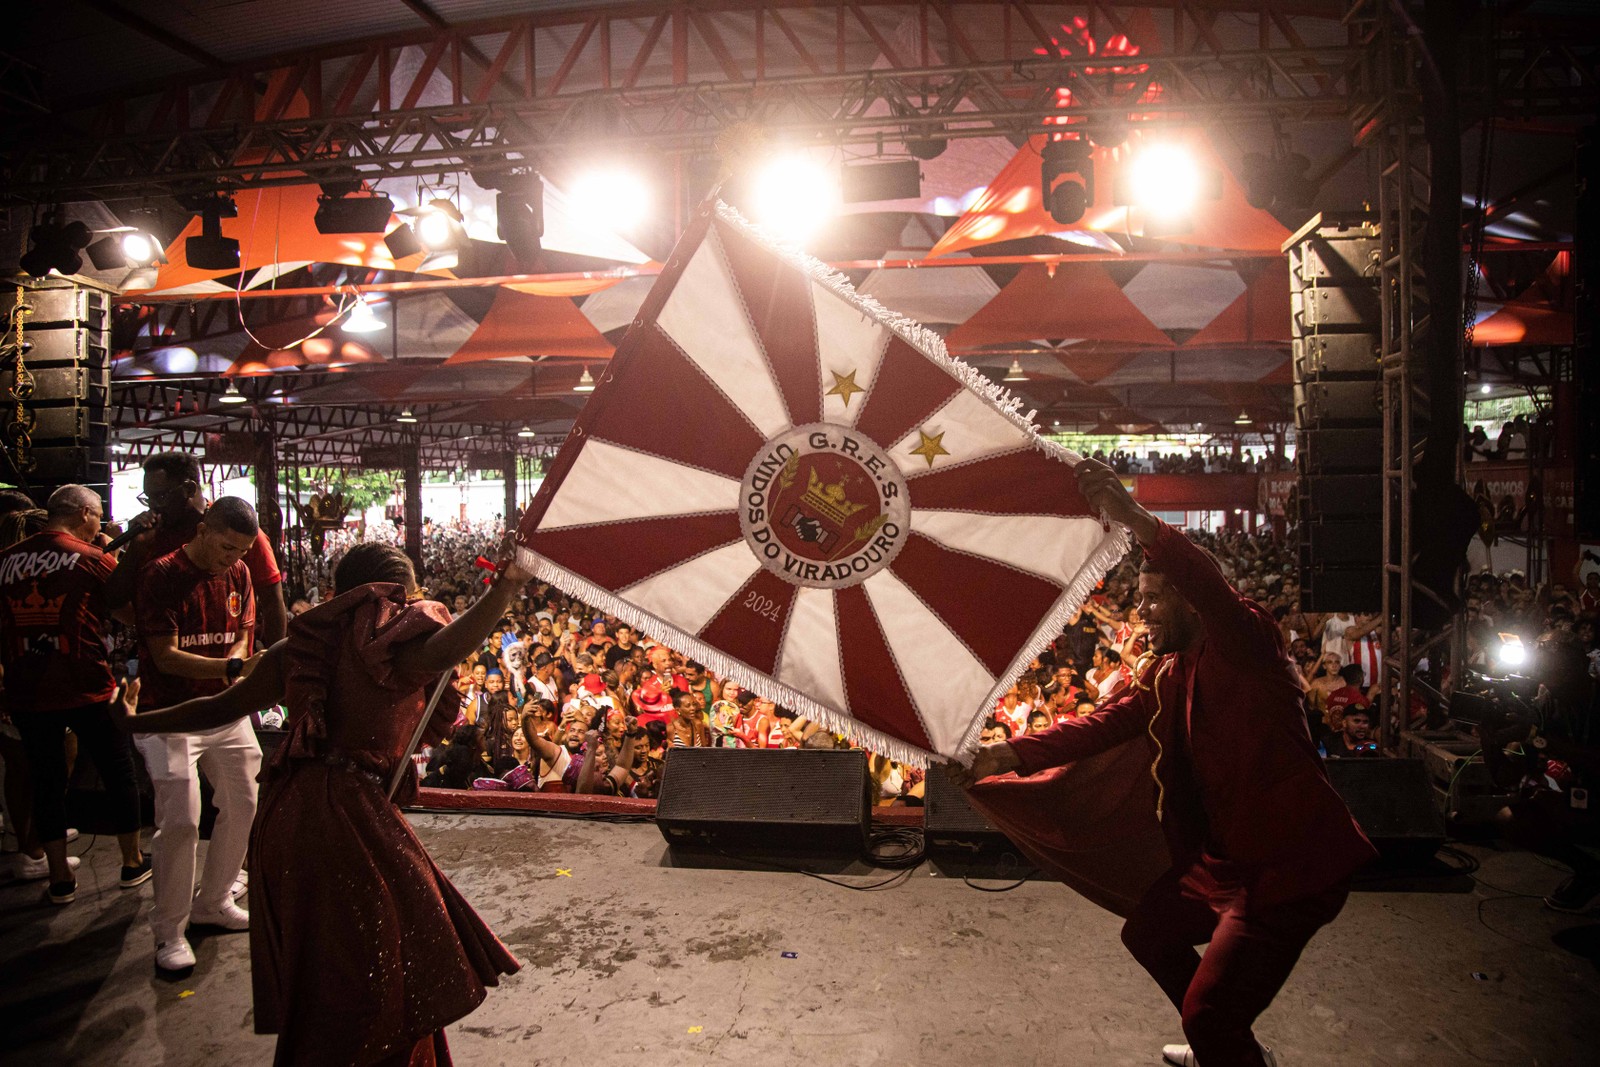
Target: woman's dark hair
{"x":372,"y":561}
{"x":461,"y":763}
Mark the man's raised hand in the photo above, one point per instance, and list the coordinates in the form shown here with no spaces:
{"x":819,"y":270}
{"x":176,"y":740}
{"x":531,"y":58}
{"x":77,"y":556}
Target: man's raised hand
{"x":996,"y":758}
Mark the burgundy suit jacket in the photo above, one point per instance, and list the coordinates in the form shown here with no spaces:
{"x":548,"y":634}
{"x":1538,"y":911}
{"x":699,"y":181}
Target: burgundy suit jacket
{"x":1236,"y":774}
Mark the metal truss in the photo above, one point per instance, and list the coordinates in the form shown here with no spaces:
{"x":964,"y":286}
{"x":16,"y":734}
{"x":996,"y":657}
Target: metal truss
{"x":843,"y":73}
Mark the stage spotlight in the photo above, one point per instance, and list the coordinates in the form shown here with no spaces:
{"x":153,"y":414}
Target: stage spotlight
{"x":793,"y":196}
{"x":609,"y":198}
{"x":1485,"y":389}
{"x":1066,"y":180}
{"x":57,"y":246}
{"x":209,"y":250}
{"x":1108,"y":133}
{"x":585,"y":382}
{"x":231,"y":395}
{"x":361,"y":318}
{"x":519,"y":220}
{"x":439,"y":226}
{"x":340,"y":212}
{"x":126,"y":247}
{"x":1166,"y":182}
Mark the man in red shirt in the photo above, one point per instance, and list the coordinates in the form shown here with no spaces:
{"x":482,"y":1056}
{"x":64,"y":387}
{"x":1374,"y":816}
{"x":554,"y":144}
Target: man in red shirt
{"x":52,"y":618}
{"x":196,"y":613}
{"x":173,"y":495}
{"x":1262,"y":847}
{"x":652,"y":698}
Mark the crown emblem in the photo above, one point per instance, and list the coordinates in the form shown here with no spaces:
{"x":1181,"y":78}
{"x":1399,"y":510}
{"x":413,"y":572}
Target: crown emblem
{"x":829,"y":501}
{"x":34,"y":610}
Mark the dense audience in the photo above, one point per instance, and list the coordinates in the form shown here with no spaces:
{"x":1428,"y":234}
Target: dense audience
{"x":564,"y":698}
{"x":1210,"y":461}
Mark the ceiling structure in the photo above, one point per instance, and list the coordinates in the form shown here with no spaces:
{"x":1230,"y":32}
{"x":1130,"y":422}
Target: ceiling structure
{"x":116,"y":109}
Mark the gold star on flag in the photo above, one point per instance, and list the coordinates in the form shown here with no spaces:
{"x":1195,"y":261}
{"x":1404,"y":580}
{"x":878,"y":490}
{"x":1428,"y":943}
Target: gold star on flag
{"x":844,"y":386}
{"x":930,"y":447}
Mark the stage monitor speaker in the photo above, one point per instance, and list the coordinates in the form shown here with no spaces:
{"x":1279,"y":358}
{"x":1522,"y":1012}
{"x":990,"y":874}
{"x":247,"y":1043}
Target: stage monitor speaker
{"x":766,"y":800}
{"x":950,"y":823}
{"x":1392,"y":801}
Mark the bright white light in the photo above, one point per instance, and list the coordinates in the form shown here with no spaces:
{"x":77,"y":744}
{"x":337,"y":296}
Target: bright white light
{"x":139,"y":249}
{"x":361,"y":319}
{"x":793,"y":197}
{"x":435,"y":231}
{"x":610,"y":199}
{"x":1164,"y":180}
{"x":1511,"y":652}
{"x":1484,"y":389}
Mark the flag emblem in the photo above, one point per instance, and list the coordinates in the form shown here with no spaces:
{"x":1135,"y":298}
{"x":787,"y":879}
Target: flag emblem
{"x":233,"y":604}
{"x":824,"y":507}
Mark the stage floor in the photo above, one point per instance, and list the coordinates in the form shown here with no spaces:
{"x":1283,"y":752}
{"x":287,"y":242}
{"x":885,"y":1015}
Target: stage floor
{"x":632,"y":955}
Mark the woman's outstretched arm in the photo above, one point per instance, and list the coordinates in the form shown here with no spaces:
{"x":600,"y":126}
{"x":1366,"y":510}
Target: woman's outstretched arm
{"x":261,"y":688}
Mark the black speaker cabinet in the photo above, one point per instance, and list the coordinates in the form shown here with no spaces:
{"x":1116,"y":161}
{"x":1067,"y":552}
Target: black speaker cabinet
{"x":767,"y":800}
{"x":949,"y":823}
{"x":1355,"y":404}
{"x":1336,"y":355}
{"x":1351,"y":451}
{"x":1392,"y":800}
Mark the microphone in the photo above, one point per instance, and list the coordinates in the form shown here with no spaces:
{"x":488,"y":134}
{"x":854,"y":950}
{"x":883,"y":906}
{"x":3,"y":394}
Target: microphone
{"x":134,"y":529}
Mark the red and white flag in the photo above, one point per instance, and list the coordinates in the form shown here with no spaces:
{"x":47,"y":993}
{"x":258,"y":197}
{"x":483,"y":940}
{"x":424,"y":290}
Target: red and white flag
{"x":799,"y":488}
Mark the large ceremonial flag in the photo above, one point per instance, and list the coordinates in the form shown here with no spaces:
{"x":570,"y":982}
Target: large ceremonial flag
{"x":799,"y":488}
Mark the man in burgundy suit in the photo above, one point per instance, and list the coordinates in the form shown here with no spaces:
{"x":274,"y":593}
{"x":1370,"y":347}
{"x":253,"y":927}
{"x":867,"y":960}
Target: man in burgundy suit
{"x":1262,"y":846}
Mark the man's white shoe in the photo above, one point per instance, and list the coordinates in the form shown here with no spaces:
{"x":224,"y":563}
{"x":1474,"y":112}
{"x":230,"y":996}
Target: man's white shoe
{"x":229,"y":917}
{"x":1183,"y":1056}
{"x":31,"y":870}
{"x":241,"y":885}
{"x":175,"y":955}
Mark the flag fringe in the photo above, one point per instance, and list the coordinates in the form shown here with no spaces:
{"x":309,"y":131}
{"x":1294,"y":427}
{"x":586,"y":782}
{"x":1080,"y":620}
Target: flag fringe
{"x":721,"y":664}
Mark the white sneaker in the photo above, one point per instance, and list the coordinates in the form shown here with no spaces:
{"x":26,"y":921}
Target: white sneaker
{"x":1183,"y":1056}
{"x":72,"y":835}
{"x":241,"y":885}
{"x":31,"y":870}
{"x":229,"y":916}
{"x":175,"y":955}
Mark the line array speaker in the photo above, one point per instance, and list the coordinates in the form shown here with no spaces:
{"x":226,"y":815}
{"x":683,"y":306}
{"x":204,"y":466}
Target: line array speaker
{"x":67,"y":350}
{"x":1338,"y":405}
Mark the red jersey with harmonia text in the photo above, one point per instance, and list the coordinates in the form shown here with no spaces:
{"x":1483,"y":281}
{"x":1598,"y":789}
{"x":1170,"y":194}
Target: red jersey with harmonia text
{"x":208,"y":613}
{"x":52,"y":623}
{"x":170,"y":536}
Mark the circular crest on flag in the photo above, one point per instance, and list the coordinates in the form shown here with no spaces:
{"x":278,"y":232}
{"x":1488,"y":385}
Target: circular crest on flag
{"x":234,"y":605}
{"x":824,"y":506}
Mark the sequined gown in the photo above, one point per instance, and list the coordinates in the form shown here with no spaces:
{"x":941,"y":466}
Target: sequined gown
{"x":361,"y":949}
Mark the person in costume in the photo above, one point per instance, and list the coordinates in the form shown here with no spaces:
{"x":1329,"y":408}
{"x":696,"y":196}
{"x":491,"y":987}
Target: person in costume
{"x":1262,"y":848}
{"x":361,"y":950}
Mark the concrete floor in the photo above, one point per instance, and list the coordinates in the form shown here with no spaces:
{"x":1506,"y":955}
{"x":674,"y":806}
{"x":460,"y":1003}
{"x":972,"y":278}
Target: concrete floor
{"x":635,"y":955}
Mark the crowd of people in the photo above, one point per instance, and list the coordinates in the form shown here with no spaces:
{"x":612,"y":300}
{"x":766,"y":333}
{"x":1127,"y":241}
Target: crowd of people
{"x":1196,"y":461}
{"x":561,"y":680}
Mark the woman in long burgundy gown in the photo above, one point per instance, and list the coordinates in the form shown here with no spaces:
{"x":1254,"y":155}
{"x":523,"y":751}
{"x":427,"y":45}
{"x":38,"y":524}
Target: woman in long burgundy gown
{"x":361,"y":950}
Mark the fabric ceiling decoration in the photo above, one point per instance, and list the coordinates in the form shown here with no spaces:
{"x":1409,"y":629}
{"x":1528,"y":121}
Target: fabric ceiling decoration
{"x":1540,"y":314}
{"x":946,"y":295}
{"x":799,"y":488}
{"x":1012,"y":206}
{"x":1079,"y":300}
{"x":1259,"y":314}
{"x":521,"y":325}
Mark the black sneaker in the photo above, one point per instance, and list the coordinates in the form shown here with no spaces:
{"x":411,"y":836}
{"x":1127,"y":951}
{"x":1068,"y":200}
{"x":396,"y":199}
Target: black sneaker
{"x":1575,"y":894}
{"x":62,"y":892}
{"x":135,"y":876}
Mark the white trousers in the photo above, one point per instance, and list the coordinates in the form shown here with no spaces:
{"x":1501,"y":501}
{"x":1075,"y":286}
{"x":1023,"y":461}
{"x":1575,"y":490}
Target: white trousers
{"x":230,"y":758}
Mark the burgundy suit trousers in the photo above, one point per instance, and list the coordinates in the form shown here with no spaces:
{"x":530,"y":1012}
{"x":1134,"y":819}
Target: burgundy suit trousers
{"x":1250,"y":955}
